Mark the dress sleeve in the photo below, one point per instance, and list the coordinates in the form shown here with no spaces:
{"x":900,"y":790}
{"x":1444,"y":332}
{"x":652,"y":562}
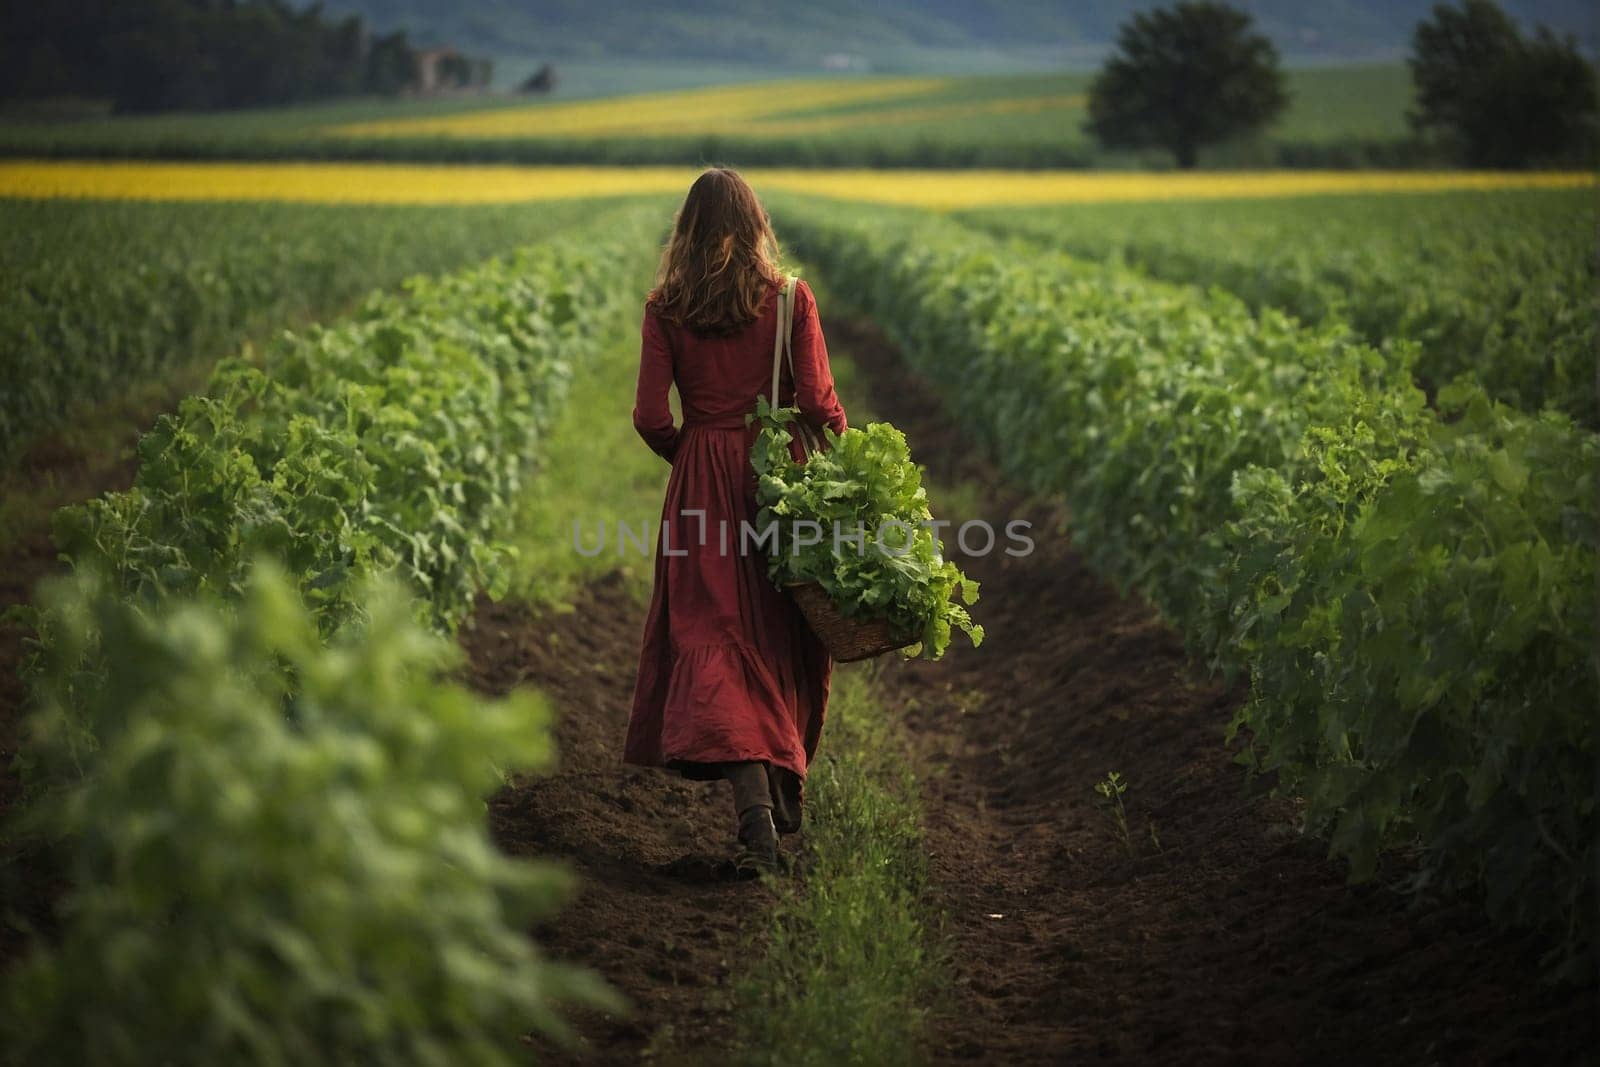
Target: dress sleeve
{"x":652,"y":416}
{"x":813,"y":380}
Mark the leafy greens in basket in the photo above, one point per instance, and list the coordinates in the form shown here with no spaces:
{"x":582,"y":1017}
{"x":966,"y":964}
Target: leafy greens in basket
{"x":864,"y":482}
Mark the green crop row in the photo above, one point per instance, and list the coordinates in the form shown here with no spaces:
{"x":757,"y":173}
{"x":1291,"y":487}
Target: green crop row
{"x":280,"y":854}
{"x":1410,"y":591}
{"x":1495,"y":286}
{"x":270,"y":805}
{"x":396,"y":439}
{"x":100,"y":295}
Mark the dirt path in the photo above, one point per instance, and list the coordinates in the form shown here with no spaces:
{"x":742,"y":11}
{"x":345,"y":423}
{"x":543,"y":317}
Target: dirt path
{"x":653,"y":914}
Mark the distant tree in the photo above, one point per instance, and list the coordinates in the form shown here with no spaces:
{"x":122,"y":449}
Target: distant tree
{"x":343,"y":60}
{"x":1495,"y":97}
{"x":1186,"y":76}
{"x":540,"y":81}
{"x":391,"y":64}
{"x":157,"y":55}
{"x":455,"y":71}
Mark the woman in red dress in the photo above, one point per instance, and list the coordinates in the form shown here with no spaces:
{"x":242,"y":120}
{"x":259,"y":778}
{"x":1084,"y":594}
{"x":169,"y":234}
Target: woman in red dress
{"x":732,"y":683}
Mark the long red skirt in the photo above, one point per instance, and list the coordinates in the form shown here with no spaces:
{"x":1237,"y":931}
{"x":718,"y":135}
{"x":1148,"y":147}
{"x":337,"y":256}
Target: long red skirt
{"x":728,"y":670}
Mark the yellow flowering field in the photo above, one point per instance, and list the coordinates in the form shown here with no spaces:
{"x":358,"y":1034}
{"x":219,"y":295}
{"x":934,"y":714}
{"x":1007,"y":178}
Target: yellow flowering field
{"x":762,"y":109}
{"x":331,"y":183}
{"x":715,"y":109}
{"x":383,"y":183}
{"x":908,"y":114}
{"x":975,"y":188}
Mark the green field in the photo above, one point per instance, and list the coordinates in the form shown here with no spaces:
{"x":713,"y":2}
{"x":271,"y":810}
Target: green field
{"x":325,"y":688}
{"x":1339,"y":116}
{"x":113,"y":294}
{"x":1493,"y":286}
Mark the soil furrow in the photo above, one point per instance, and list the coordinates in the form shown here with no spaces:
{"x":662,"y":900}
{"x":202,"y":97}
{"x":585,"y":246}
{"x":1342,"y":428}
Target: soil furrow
{"x":55,"y":471}
{"x":653,"y":912}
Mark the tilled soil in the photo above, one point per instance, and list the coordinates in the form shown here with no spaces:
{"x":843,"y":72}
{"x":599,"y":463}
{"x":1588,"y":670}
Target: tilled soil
{"x":656,"y":912}
{"x":53,"y":472}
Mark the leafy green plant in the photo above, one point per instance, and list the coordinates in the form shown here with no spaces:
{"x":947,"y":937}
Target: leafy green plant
{"x":862,"y":485}
{"x":1111,"y":788}
{"x":281,"y":855}
{"x":1422,"y":654}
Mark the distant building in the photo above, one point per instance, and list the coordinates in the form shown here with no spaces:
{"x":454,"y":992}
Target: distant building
{"x":447,"y":70}
{"x":844,"y":61}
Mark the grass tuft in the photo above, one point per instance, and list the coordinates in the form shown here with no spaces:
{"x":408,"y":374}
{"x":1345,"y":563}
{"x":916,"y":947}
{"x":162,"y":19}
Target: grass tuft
{"x":852,"y":962}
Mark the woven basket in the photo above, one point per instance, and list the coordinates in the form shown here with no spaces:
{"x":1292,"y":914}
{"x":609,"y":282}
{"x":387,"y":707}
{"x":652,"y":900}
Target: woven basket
{"x":847,"y":639}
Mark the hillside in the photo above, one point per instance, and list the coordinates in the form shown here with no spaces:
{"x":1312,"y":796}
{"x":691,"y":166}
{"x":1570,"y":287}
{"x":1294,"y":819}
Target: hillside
{"x":894,"y":34}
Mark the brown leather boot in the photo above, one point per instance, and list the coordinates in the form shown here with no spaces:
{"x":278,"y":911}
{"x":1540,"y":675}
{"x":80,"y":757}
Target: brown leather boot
{"x":758,"y":840}
{"x":784,"y":787}
{"x":752,"y":799}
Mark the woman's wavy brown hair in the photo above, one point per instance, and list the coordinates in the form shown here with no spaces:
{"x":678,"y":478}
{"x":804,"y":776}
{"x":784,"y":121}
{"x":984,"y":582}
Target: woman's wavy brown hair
{"x":721,"y":260}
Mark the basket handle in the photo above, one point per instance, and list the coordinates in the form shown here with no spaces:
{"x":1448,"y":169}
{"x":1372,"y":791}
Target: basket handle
{"x":781,"y":348}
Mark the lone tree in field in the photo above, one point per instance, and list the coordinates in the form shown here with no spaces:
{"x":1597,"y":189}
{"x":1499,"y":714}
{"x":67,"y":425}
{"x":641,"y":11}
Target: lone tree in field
{"x":1186,"y":76}
{"x":1495,"y":97}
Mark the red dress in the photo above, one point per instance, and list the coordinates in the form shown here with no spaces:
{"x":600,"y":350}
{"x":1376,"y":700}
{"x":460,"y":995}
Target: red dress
{"x":728,"y":670}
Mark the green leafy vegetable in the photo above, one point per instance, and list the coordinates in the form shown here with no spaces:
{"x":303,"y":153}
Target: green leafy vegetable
{"x":873,"y":552}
